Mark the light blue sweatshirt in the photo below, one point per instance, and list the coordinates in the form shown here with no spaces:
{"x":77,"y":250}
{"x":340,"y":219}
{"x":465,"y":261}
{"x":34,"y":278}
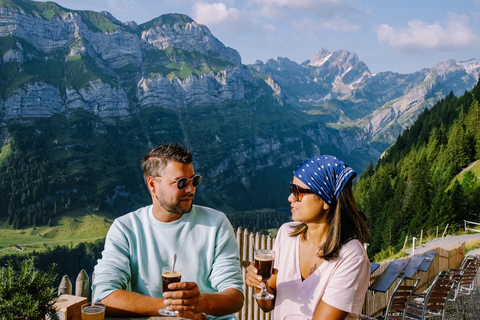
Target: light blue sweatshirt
{"x":138,"y":246}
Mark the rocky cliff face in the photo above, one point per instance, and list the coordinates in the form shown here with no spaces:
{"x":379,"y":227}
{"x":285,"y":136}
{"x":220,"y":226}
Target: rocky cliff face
{"x":379,"y":105}
{"x":95,"y":89}
{"x":387,"y":122}
{"x":126,"y":60}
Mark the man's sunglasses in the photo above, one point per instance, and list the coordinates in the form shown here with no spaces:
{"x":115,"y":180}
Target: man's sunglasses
{"x":296,"y":191}
{"x":183,"y":181}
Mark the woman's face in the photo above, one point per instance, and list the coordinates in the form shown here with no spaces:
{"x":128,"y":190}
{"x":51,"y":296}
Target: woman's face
{"x":309,"y":207}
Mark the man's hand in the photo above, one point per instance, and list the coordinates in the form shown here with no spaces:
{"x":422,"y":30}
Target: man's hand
{"x":185,"y":297}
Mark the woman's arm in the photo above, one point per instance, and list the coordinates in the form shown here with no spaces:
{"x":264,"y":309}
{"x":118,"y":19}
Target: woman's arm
{"x":324,"y":311}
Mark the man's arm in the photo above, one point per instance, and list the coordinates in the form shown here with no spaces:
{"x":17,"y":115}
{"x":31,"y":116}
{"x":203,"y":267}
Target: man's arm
{"x":119,"y":301}
{"x":139,"y":305}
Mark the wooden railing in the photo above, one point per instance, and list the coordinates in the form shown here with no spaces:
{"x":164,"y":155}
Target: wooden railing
{"x":247,"y":241}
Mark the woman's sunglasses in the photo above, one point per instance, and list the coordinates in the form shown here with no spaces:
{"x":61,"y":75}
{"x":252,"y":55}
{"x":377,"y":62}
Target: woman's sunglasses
{"x":297,"y":191}
{"x":183,"y":181}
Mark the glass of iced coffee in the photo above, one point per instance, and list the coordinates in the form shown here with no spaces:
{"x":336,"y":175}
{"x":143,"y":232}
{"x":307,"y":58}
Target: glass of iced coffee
{"x":169,"y":276}
{"x":93,"y":311}
{"x":264,"y":263}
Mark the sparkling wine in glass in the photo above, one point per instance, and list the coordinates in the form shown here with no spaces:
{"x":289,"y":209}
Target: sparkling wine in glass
{"x":264,"y":263}
{"x":169,"y":276}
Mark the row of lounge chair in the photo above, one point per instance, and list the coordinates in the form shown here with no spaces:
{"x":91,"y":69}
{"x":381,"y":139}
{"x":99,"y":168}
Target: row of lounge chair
{"x":452,"y":285}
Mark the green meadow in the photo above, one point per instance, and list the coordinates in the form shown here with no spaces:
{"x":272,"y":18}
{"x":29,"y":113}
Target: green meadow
{"x":69,"y":229}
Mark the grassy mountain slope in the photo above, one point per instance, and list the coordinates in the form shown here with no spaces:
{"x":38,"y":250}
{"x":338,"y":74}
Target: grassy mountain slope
{"x":408,"y":189}
{"x":67,"y":230}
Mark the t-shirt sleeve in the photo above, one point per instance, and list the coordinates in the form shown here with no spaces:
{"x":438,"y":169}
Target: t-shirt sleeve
{"x":226,"y":272}
{"x":112,"y":271}
{"x":348,"y":283}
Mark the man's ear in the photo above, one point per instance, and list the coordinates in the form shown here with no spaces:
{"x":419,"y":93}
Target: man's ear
{"x":151,"y":184}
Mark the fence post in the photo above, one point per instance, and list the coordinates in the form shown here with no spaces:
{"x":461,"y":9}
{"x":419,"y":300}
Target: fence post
{"x":443,"y":235}
{"x":465,"y":223}
{"x":248,"y":295}
{"x":365,"y":246}
{"x":421,"y":238}
{"x":258,"y":243}
{"x":238,"y":237}
{"x":413,"y":246}
{"x":263,"y":241}
{"x":251,"y":301}
{"x":436,"y":235}
{"x":81,"y":284}
{"x":65,"y":286}
{"x":269,"y":241}
{"x":405,"y":243}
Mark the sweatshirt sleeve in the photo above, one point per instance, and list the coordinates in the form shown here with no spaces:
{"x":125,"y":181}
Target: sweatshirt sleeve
{"x":112,"y":271}
{"x":226,"y":272}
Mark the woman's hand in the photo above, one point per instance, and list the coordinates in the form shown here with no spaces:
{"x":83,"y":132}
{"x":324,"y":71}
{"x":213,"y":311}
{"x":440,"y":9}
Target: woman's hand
{"x":252,"y":278}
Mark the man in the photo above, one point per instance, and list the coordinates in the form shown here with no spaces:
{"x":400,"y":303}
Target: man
{"x":128,"y":277}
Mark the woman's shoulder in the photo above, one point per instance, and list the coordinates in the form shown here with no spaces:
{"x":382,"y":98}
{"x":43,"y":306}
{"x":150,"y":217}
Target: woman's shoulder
{"x":353,"y":248}
{"x":287,"y":227}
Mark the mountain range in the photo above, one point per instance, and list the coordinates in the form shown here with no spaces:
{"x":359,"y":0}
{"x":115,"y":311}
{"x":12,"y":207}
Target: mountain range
{"x":92,"y":94}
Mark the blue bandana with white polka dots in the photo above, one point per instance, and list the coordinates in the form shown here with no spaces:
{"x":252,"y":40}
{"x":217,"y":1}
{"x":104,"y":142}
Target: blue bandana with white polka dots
{"x":325,"y":175}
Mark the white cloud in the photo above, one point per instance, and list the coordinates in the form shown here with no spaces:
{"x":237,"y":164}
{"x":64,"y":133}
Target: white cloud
{"x":336,"y":24}
{"x":418,"y":35}
{"x":322,"y":8}
{"x":270,"y":28}
{"x":215,"y":13}
{"x":339,"y":25}
{"x":122,"y":5}
{"x":303,"y":4}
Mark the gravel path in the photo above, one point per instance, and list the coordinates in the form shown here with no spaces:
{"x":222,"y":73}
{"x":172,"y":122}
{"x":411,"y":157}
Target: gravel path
{"x":447,"y":243}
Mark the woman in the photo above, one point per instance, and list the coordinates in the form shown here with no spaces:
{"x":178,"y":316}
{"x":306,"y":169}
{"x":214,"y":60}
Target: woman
{"x":321,"y":268}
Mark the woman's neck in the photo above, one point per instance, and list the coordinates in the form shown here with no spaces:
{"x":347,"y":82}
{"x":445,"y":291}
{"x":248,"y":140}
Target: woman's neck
{"x":316,"y":234}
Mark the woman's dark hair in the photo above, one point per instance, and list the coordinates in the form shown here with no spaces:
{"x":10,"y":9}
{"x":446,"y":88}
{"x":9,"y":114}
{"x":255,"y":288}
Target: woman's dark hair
{"x":345,"y":222}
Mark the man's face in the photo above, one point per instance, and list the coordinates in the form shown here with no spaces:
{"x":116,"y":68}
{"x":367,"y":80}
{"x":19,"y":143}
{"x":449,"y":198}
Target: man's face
{"x":171,"y":199}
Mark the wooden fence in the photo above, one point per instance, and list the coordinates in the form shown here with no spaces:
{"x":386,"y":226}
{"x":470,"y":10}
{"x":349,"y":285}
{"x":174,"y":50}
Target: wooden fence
{"x":247,"y":241}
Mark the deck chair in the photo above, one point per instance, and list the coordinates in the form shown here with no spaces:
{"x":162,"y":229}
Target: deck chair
{"x":398,"y":299}
{"x":431,"y":304}
{"x":456,"y":275}
{"x":466,"y":285}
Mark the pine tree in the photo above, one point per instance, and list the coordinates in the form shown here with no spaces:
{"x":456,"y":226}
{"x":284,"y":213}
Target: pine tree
{"x":458,"y":148}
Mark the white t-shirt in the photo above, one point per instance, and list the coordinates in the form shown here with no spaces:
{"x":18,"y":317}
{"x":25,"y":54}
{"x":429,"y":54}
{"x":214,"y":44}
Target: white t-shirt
{"x":341,"y":283}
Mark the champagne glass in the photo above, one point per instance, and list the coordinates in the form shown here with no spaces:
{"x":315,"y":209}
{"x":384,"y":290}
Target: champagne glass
{"x":169,"y":275}
{"x":264,"y":263}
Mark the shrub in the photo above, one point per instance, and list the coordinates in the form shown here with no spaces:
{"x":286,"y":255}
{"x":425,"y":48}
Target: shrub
{"x":27,"y":293}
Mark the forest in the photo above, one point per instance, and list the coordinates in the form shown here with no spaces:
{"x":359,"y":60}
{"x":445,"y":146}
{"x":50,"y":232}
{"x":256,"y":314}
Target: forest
{"x":413,"y":187}
{"x":67,"y":260}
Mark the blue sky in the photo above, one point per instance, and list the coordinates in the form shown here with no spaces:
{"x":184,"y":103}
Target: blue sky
{"x":388,"y":35}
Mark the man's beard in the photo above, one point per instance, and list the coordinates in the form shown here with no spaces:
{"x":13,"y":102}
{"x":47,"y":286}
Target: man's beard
{"x":176,"y":208}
